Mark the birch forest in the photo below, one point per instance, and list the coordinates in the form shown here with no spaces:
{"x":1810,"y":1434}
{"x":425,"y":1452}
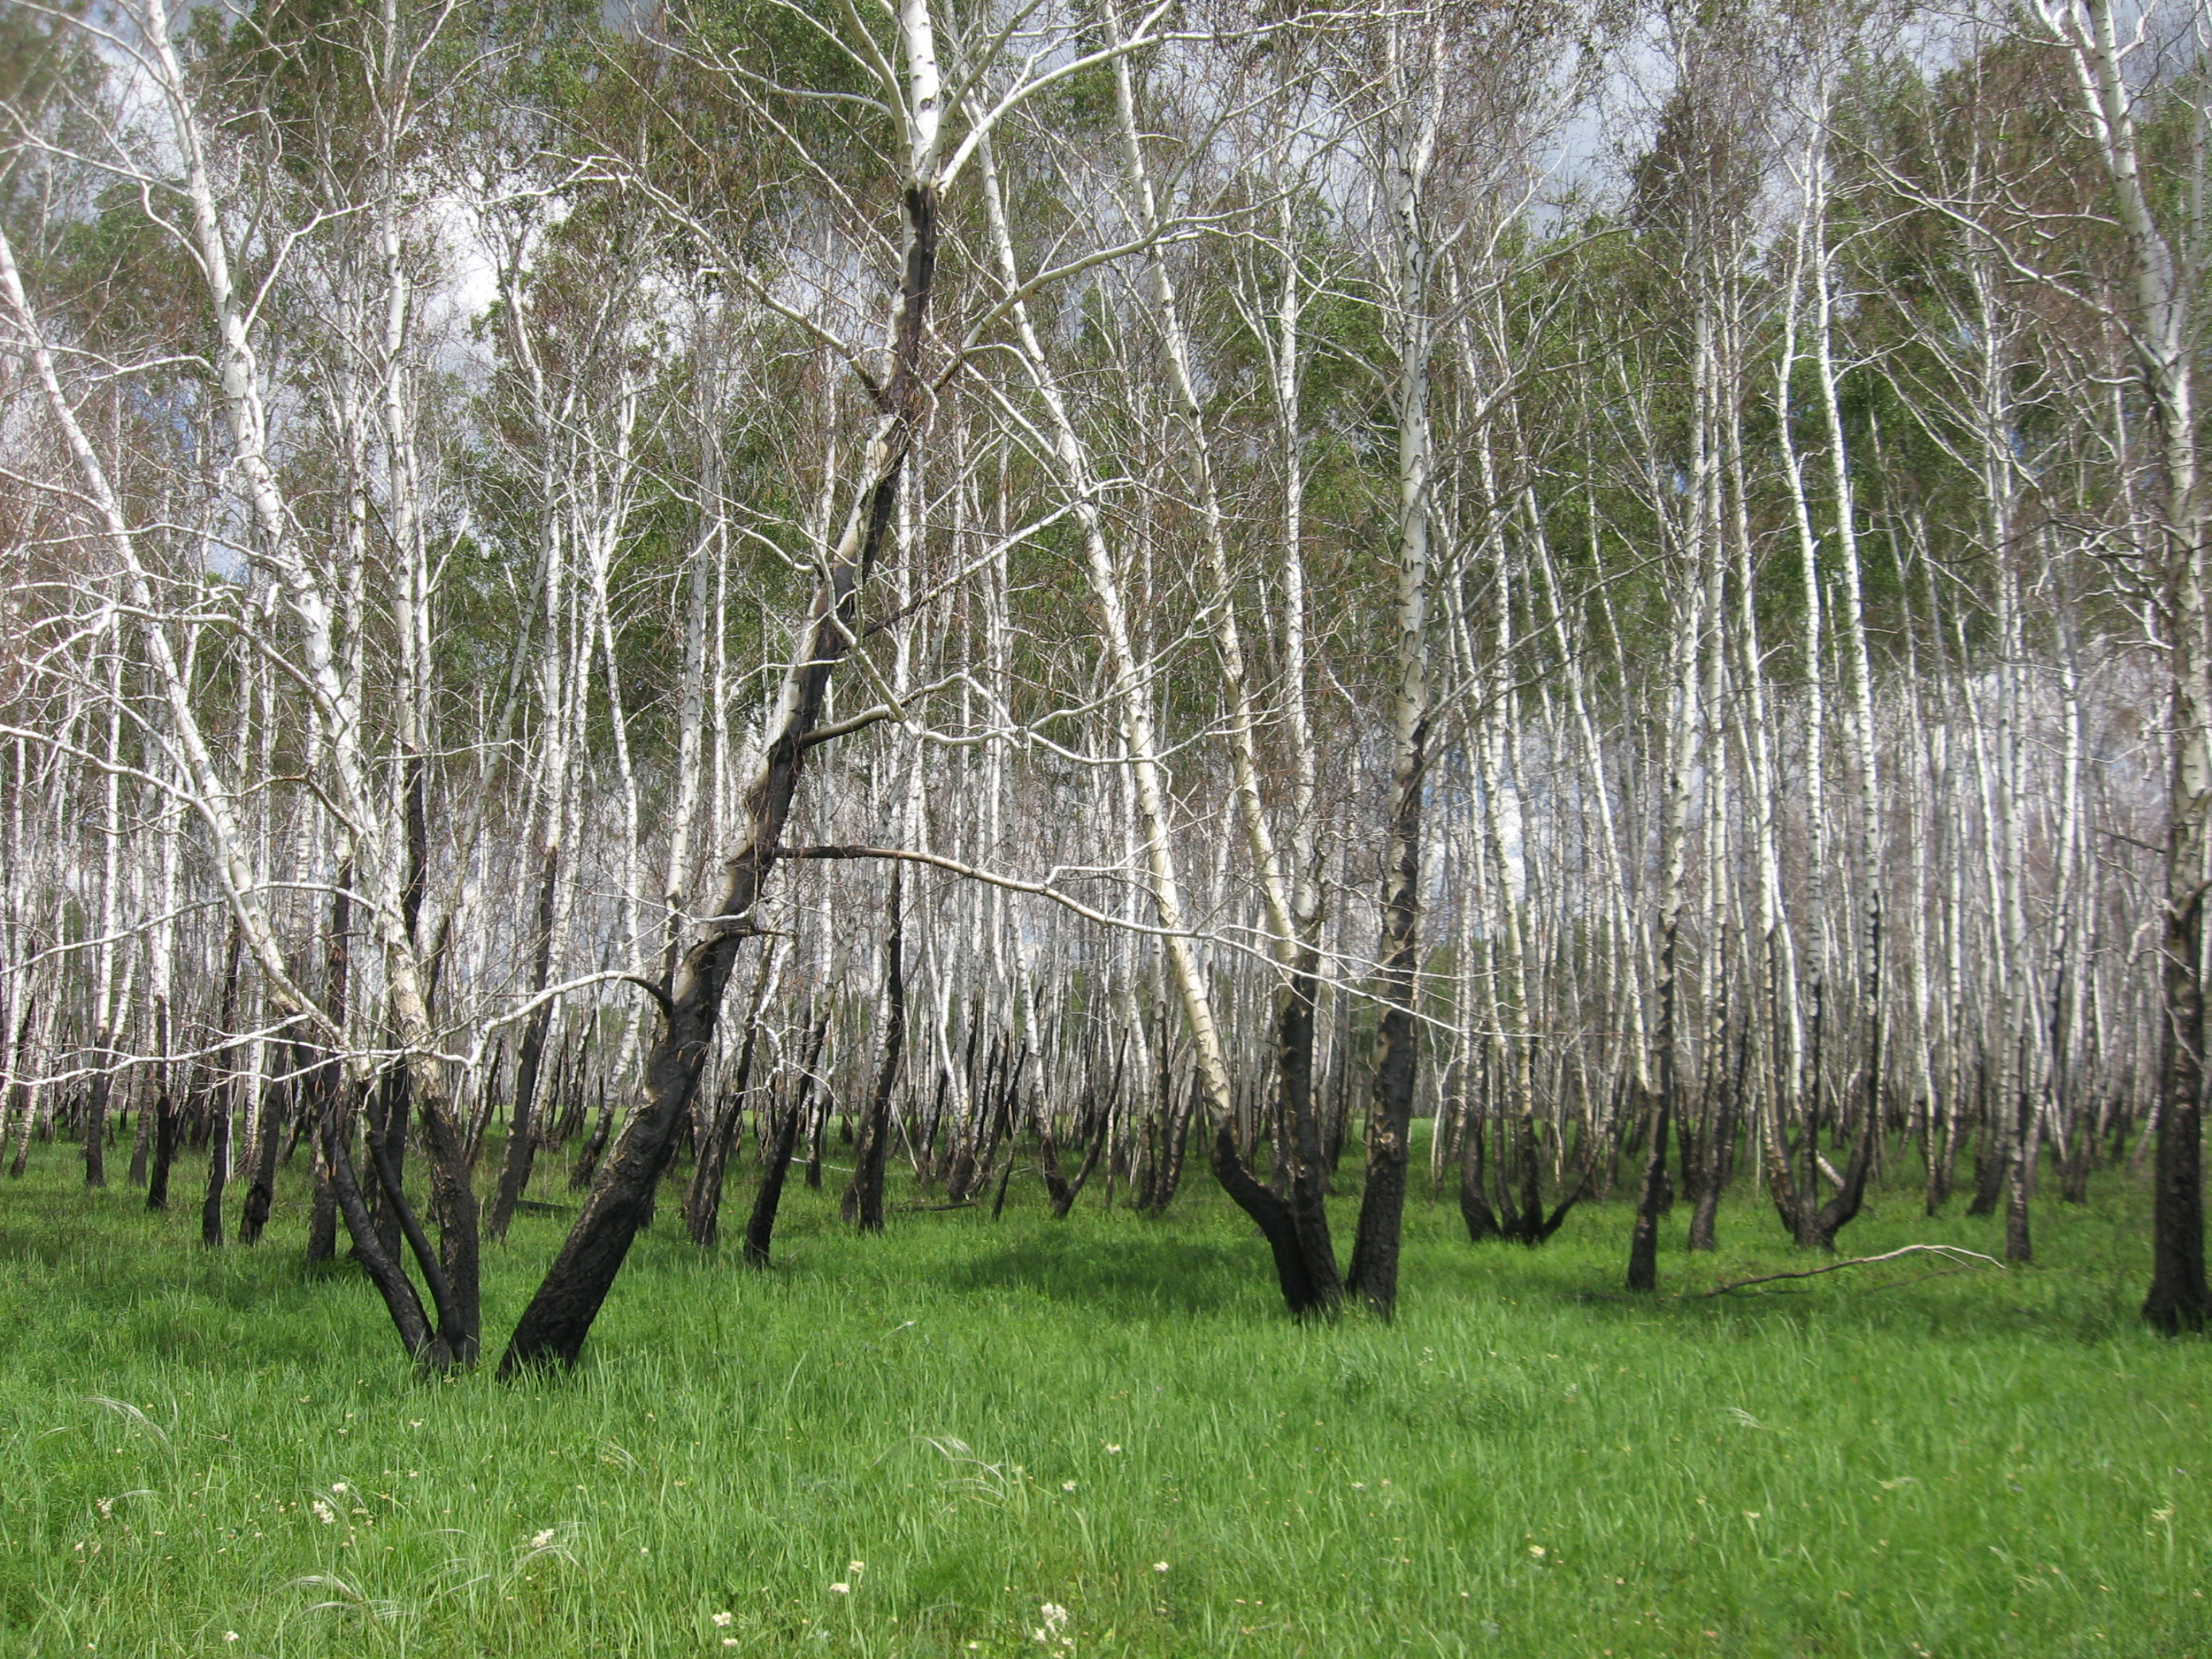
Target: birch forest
{"x":1576,"y":609}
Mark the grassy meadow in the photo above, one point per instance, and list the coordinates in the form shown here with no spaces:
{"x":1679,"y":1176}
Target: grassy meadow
{"x":1101,"y":1437}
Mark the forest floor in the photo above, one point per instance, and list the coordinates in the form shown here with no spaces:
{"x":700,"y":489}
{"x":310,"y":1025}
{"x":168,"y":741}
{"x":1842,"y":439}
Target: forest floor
{"x":1102,"y":1437}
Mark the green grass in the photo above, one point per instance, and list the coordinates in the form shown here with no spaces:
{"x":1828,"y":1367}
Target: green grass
{"x":994,"y":1417}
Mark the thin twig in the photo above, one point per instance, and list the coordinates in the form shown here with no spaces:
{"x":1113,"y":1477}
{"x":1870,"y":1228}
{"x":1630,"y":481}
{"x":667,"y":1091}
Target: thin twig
{"x":1966,"y":1259}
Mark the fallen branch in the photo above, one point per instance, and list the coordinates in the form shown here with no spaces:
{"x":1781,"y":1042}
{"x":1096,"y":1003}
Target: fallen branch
{"x":1966,"y":1259}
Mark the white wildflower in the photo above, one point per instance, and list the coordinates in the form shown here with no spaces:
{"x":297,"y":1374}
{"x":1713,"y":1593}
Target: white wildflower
{"x":841,"y":1589}
{"x":1159,"y":1566}
{"x":538,"y":1540}
{"x":1067,"y":1485}
{"x":323,"y":1513}
{"x":722,"y":1620}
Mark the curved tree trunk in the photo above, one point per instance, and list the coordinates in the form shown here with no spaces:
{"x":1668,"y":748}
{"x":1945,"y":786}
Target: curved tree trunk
{"x":553,"y":1326}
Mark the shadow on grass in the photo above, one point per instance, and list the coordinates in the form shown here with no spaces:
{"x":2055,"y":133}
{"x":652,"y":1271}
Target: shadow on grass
{"x":1118,"y":1276}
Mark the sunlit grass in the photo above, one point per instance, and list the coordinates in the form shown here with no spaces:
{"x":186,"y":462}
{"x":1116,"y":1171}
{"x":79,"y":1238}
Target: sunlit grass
{"x":963,"y":1421}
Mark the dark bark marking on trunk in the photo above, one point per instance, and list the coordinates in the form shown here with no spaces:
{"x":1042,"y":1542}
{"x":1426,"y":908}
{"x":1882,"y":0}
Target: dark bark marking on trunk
{"x":759,"y":1230}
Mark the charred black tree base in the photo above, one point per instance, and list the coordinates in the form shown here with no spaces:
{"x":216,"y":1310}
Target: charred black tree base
{"x":218,"y":1167}
{"x":1815,"y":1227}
{"x":863,"y":1204}
{"x":1653,"y":1196}
{"x":452,"y":1342}
{"x":261,"y":1189}
{"x":522,"y":1122}
{"x":702,"y":1205}
{"x":2179,"y":1300}
{"x":1301,"y":1295}
{"x":1379,"y":1234}
{"x":1475,"y":1208}
{"x":165,"y":1148}
{"x":1513,"y":1209}
{"x":759,"y":1227}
